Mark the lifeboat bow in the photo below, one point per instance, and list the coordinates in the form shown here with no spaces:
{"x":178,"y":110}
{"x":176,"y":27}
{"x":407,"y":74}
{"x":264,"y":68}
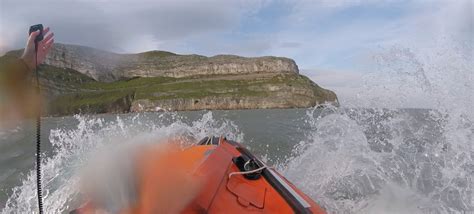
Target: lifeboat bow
{"x":233,"y":181}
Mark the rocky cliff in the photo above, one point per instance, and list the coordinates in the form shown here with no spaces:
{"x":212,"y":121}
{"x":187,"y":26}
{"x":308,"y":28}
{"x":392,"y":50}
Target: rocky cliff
{"x":86,"y":80}
{"x":98,"y":64}
{"x":107,"y":66}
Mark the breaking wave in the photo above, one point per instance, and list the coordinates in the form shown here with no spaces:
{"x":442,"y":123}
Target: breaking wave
{"x":388,"y":160}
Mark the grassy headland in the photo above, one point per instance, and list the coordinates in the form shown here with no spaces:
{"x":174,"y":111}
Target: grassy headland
{"x":84,"y":80}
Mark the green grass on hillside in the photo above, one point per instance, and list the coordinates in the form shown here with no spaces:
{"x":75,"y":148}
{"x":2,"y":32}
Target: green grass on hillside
{"x":153,"y":54}
{"x":155,"y":88}
{"x":63,"y":75}
{"x":90,"y":102}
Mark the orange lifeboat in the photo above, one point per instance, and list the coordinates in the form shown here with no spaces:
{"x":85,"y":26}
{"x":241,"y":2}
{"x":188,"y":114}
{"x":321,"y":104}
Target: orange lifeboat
{"x":235,"y":181}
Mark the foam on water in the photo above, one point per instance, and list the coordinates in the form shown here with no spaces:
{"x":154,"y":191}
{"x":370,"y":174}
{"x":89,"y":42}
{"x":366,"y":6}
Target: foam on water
{"x":74,"y":147}
{"x":397,"y":161}
{"x":385,"y":161}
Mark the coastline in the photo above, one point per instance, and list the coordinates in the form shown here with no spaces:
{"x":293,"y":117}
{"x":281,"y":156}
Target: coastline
{"x":83,"y":80}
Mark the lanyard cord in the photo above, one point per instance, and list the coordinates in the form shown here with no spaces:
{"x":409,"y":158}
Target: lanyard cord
{"x":38,"y":137}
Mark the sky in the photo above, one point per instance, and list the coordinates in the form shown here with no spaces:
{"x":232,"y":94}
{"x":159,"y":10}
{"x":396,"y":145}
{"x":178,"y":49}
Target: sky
{"x":330,"y":40}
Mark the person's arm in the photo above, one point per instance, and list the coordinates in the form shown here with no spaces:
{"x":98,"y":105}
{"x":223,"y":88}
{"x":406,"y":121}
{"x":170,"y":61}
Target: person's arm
{"x":13,"y":70}
{"x":16,"y":98}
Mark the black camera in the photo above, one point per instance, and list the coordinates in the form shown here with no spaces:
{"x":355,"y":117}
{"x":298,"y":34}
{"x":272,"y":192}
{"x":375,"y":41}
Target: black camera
{"x":35,"y":28}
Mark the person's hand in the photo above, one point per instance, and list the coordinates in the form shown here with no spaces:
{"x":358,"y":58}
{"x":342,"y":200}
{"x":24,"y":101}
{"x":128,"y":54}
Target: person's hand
{"x":43,"y":48}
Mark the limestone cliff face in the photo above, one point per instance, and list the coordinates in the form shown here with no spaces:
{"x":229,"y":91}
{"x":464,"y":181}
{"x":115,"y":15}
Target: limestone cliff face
{"x":108,"y":66}
{"x":98,"y":64}
{"x":178,"y":66}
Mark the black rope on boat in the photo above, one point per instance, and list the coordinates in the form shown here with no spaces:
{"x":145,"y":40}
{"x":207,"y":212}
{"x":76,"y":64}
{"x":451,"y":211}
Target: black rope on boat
{"x":38,"y":138}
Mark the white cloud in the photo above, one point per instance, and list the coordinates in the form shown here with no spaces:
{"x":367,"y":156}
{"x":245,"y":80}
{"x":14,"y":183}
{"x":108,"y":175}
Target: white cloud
{"x":114,"y":25}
